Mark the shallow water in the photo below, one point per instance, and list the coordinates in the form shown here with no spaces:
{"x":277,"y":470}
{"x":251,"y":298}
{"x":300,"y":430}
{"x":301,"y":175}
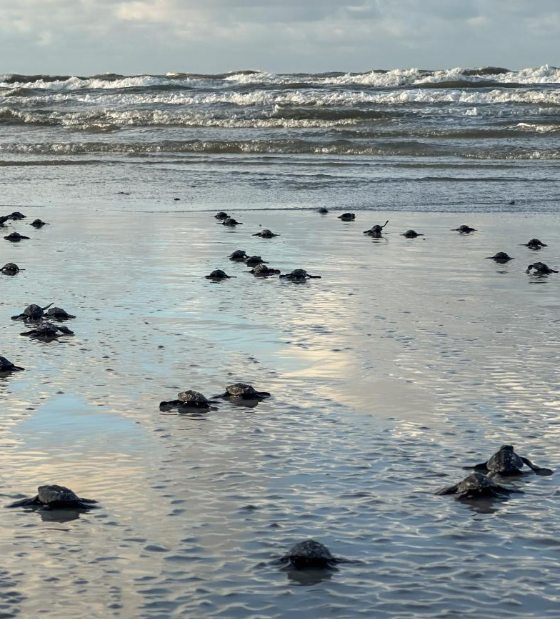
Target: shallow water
{"x":406,"y":361}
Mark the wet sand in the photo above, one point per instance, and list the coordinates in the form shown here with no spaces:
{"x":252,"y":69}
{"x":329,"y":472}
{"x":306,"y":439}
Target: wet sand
{"x":407,"y":360}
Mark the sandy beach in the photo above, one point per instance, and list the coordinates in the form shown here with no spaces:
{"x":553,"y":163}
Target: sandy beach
{"x":408,"y":360}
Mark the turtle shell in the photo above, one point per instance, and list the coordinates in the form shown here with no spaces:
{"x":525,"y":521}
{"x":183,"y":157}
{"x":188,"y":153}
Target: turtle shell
{"x":411,"y":234}
{"x":33,"y":311}
{"x":478,"y":484}
{"x":193,"y":399}
{"x":59,"y":313}
{"x":244,"y":391}
{"x":540,"y":269}
{"x":297,"y":274}
{"x":230,"y":221}
{"x":465,"y":230}
{"x":322,"y":210}
{"x":347,"y":217}
{"x":238,"y":255}
{"x":501,"y":257}
{"x":221,"y":215}
{"x":16,"y":215}
{"x":217,"y":274}
{"x":266,"y":234}
{"x":505,"y":461}
{"x":535,"y":244}
{"x":15,"y":236}
{"x":53,"y":493}
{"x":309,"y":554}
{"x":252,"y":261}
{"x":38,"y":223}
{"x":10,"y":269}
{"x":263,"y":270}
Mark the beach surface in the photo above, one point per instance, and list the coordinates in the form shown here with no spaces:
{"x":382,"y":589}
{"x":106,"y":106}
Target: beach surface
{"x":407,"y":360}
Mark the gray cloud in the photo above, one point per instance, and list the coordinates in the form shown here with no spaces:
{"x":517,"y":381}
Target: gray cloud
{"x":129,"y":36}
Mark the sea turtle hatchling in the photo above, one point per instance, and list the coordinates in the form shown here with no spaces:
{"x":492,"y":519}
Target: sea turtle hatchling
{"x":16,"y":215}
{"x":221,"y":215}
{"x":540,"y":269}
{"x":322,"y":210}
{"x":10,"y":269}
{"x":412,"y":234}
{"x":59,"y":314}
{"x":535,"y":244}
{"x":53,"y":496}
{"x":239,"y":256}
{"x":15,"y":237}
{"x":243,"y":391}
{"x":252,"y":261}
{"x":501,"y":257}
{"x":266,"y":234}
{"x":347,"y":217}
{"x":217,"y":275}
{"x":189,"y":399}
{"x":38,"y":223}
{"x":476,"y":486}
{"x":309,"y":554}
{"x":261,"y":270}
{"x":464,"y":229}
{"x":507,"y":463}
{"x":376,"y":231}
{"x":230,"y":221}
{"x":33,"y":312}
{"x":6,"y":366}
{"x":298,"y":275}
{"x":47,"y":332}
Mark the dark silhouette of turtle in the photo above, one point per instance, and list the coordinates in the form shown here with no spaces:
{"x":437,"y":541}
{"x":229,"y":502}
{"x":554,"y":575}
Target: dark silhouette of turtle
{"x":298,"y":275}
{"x":476,"y":486}
{"x":31,"y":313}
{"x":16,"y":215}
{"x":347,"y":217}
{"x":15,"y":237}
{"x":309,"y":554}
{"x":507,"y":463}
{"x":252,"y":261}
{"x":412,"y":234}
{"x":3,"y":220}
{"x":243,"y":391}
{"x":221,"y":215}
{"x":189,"y":399}
{"x":53,"y":496}
{"x":511,"y":202}
{"x":218,"y":274}
{"x":6,"y":366}
{"x":535,"y":244}
{"x":38,"y":223}
{"x":501,"y":257}
{"x":322,"y":210}
{"x":10,"y":269}
{"x":376,"y":231}
{"x":59,"y":314}
{"x":266,"y":234}
{"x":464,"y":229}
{"x":230,"y":221}
{"x":47,"y":332}
{"x":540,"y":269}
{"x":239,"y":256}
{"x":262,"y":270}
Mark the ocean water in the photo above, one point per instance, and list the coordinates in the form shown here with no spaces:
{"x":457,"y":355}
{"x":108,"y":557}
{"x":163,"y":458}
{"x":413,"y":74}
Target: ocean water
{"x":406,"y":361}
{"x":458,"y":139}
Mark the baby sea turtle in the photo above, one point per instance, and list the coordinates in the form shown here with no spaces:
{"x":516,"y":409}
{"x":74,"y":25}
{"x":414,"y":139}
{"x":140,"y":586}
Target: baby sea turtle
{"x":540,"y":269}
{"x":309,"y":554}
{"x":501,"y":257}
{"x":322,"y":210}
{"x":59,"y":314}
{"x":507,"y":463}
{"x":16,"y":215}
{"x":262,"y":270}
{"x":239,"y":256}
{"x":464,"y":229}
{"x":10,"y":269}
{"x":230,"y":221}
{"x":412,"y":234}
{"x":476,"y":486}
{"x":189,"y":399}
{"x":15,"y":237}
{"x":535,"y":244}
{"x":221,"y":215}
{"x":31,"y":313}
{"x":218,"y":274}
{"x":38,"y":223}
{"x":266,"y":234}
{"x":376,"y":231}
{"x":47,"y":332}
{"x":252,"y":261}
{"x":52,"y":496}
{"x":243,"y":391}
{"x":3,"y":220}
{"x":298,"y":275}
{"x":6,"y":366}
{"x":347,"y":217}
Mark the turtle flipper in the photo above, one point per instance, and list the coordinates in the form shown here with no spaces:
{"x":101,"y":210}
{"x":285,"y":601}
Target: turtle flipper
{"x":479,"y":467}
{"x":448,"y":490}
{"x":28,"y":501}
{"x":540,"y":471}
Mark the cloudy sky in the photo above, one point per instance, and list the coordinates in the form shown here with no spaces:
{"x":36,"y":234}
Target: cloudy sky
{"x":155,"y":36}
